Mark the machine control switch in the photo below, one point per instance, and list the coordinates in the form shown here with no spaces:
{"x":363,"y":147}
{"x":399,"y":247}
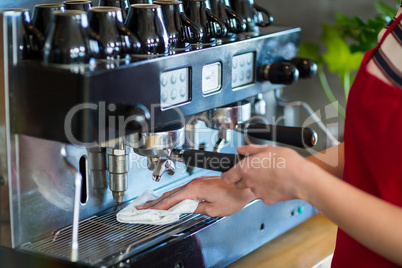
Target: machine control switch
{"x":242,"y":70}
{"x":175,"y":87}
{"x":300,"y":210}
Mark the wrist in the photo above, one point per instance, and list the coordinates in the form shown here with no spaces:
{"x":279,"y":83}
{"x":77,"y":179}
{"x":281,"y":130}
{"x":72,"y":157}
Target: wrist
{"x":307,"y":178}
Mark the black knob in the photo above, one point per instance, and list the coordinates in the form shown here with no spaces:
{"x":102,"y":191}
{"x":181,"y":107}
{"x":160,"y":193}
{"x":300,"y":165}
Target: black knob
{"x":307,"y":68}
{"x":279,"y":73}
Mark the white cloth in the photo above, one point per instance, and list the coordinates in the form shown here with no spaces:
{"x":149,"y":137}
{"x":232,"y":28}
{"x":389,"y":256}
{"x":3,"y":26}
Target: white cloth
{"x":131,"y":214}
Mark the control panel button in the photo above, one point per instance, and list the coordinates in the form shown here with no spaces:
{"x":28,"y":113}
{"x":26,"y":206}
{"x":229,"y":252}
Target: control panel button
{"x":173,"y":94}
{"x":234,"y":63}
{"x":242,"y":76}
{"x":164,"y":80}
{"x":164,"y":96}
{"x":183,"y":91}
{"x":248,"y":74}
{"x":183,"y":76}
{"x":234,"y":78}
{"x":173,"y":78}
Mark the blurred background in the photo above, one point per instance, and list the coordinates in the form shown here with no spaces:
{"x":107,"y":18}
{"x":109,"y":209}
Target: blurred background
{"x":310,"y":15}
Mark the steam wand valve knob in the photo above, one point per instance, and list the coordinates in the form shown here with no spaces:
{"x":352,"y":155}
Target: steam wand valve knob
{"x":279,"y":73}
{"x":307,"y":67}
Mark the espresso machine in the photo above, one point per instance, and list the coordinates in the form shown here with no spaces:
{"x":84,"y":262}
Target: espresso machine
{"x":79,"y":142}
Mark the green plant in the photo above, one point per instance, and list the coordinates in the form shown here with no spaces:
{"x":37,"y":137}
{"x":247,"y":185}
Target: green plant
{"x":342,"y":46}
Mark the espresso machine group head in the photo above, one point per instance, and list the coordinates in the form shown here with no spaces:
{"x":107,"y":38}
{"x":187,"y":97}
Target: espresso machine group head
{"x":241,"y":117}
{"x":164,"y":146}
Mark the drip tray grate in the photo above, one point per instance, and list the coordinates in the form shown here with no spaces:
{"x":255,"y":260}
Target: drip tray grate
{"x":103,"y":238}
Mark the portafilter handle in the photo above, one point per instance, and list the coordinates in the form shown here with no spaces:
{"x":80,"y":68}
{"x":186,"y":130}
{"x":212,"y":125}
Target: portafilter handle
{"x":302,"y":137}
{"x":207,"y":160}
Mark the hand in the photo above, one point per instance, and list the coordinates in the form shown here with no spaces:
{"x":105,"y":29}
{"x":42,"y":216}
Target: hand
{"x":272,"y":173}
{"x":219,"y":199}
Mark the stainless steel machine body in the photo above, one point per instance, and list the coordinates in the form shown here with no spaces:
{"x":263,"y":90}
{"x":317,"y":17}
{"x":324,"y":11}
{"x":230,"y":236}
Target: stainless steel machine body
{"x":55,"y":203}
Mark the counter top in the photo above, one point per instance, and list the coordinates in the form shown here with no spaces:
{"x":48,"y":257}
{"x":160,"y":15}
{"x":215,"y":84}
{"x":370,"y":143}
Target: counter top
{"x":306,"y":245}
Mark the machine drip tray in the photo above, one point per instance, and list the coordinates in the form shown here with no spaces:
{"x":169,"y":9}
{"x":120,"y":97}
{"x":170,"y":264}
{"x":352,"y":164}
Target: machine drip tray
{"x":102,"y":239}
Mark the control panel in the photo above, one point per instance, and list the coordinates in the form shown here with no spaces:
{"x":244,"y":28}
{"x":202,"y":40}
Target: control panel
{"x":242,"y":70}
{"x":211,"y":78}
{"x":175,"y":87}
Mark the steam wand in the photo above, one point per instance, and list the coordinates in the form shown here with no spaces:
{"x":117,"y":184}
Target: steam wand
{"x":76,"y":211}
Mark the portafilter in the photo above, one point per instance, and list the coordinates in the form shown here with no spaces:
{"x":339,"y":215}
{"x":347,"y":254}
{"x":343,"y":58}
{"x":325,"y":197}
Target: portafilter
{"x":161,"y":149}
{"x":237,"y":116}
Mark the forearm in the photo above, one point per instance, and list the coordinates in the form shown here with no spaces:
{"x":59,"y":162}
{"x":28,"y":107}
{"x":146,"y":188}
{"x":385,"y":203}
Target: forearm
{"x":331,"y":160}
{"x":368,"y":219}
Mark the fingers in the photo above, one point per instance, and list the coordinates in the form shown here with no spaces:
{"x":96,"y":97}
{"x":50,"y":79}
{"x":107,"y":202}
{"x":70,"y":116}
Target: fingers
{"x":204,"y":178}
{"x":175,"y":196}
{"x":201,"y":208}
{"x":242,"y":168}
{"x":166,"y":195}
{"x":160,"y":203}
{"x":234,"y":174}
{"x":209,"y":209}
{"x":252,"y":149}
{"x":172,"y":198}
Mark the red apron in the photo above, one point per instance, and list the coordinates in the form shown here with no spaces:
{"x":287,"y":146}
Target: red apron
{"x":373,"y":153}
